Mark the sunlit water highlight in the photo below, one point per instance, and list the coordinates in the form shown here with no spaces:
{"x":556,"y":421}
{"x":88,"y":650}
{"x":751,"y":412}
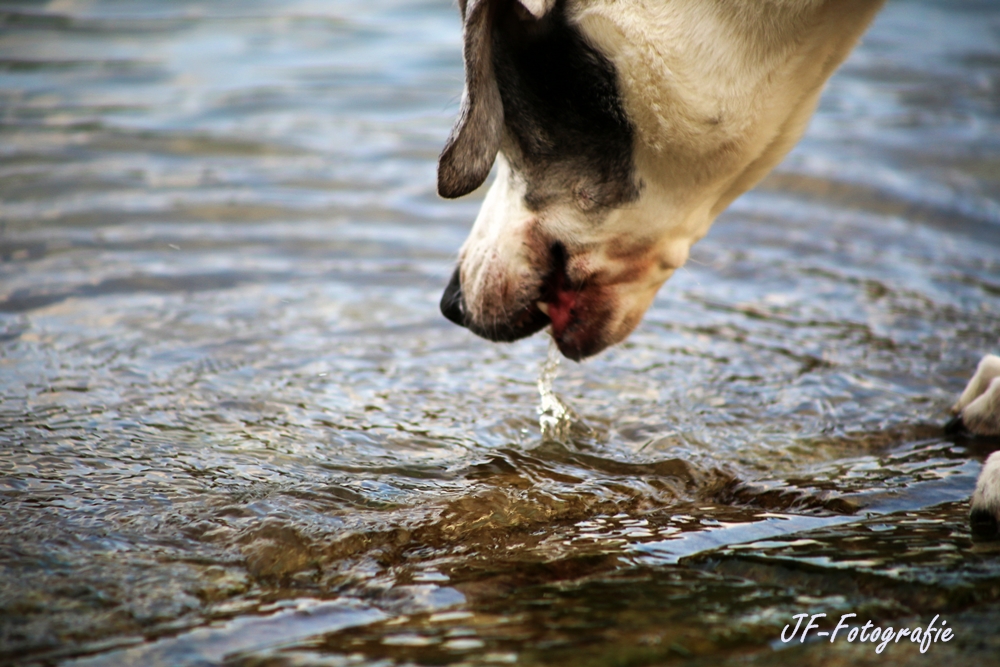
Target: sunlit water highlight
{"x":234,"y":427}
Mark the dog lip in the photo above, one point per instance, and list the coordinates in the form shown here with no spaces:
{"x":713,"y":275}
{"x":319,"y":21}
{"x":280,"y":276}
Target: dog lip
{"x":561,"y":310}
{"x":559,"y":294}
{"x":565,"y":303}
{"x":527,"y":321}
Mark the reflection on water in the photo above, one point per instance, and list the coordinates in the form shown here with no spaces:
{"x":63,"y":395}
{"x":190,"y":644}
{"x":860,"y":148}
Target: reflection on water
{"x":235,"y":428}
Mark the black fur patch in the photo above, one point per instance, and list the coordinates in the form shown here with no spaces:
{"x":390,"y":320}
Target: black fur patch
{"x":565,"y":129}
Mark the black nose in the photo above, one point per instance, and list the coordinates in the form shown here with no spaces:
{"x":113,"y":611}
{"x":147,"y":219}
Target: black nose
{"x":452,"y":306}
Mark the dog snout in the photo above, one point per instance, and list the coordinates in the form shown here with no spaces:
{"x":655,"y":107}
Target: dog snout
{"x":523,"y":321}
{"x":452,"y":305}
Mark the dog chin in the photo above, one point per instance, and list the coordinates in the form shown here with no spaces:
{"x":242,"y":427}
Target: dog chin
{"x":585,"y":339}
{"x":582,"y":323}
{"x":577,"y":336}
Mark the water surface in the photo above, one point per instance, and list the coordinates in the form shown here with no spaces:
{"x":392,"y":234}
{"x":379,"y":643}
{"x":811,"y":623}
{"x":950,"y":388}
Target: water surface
{"x":236,"y":429}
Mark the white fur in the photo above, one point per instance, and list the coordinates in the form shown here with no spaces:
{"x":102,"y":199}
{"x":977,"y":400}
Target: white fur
{"x":538,"y":8}
{"x":987,"y":494}
{"x":979,"y":404}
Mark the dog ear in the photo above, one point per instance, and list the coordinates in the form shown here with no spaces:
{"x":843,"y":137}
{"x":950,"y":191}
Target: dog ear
{"x":474,"y":142}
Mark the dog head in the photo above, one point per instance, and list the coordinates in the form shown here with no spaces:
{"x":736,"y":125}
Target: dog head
{"x":620,"y":129}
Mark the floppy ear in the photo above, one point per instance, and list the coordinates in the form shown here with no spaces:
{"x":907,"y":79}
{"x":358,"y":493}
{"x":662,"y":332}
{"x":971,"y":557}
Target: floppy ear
{"x":474,"y":141}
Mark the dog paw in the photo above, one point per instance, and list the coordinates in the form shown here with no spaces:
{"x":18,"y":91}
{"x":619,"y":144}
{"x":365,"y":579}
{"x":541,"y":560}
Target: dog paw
{"x":984,"y":516}
{"x":978,"y":408}
{"x":978,"y":412}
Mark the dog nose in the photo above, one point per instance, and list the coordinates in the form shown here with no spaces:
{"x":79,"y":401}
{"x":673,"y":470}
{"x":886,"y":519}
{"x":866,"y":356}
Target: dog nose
{"x":452,"y":306}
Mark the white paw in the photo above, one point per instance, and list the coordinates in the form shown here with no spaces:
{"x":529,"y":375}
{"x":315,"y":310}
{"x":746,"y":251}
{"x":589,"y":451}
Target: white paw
{"x":978,"y":408}
{"x":984,"y":516}
{"x":978,"y":411}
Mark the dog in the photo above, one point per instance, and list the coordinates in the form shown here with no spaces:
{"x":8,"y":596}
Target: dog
{"x":620,"y":129}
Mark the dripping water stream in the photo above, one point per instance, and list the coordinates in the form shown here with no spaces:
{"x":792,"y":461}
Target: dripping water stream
{"x":555,"y":418}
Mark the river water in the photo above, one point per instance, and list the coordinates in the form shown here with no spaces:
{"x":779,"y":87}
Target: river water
{"x":235,"y":429}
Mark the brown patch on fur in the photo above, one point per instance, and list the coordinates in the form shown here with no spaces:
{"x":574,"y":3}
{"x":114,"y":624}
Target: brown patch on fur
{"x":622,"y":249}
{"x":624,"y":270}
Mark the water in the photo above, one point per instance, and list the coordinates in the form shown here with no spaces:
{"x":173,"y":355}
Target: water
{"x":235,"y":428}
{"x":555,"y":418}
